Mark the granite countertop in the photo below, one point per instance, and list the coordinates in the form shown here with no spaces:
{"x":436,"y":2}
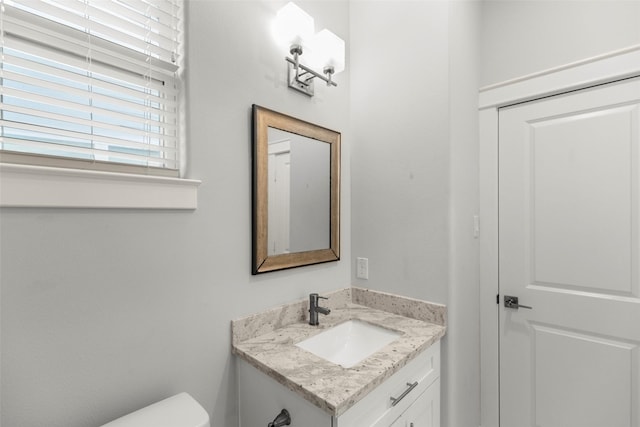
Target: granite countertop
{"x":267,"y":341}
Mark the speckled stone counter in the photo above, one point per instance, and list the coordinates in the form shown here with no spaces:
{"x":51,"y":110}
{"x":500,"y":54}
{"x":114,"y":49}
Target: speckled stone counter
{"x":267,"y":341}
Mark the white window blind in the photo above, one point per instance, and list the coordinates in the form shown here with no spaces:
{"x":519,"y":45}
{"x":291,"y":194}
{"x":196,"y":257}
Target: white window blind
{"x":90,"y":84}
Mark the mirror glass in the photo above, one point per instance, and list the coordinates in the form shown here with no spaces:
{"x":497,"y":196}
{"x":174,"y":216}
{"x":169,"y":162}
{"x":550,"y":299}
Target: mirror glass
{"x":299,"y":187}
{"x":295,"y":192}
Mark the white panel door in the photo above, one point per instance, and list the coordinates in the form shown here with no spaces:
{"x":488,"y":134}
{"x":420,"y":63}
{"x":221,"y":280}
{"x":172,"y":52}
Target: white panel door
{"x":569,"y":218}
{"x":279,"y":189}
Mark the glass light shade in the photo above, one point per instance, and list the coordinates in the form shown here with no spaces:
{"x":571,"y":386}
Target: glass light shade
{"x":293,"y":25}
{"x":327,"y":50}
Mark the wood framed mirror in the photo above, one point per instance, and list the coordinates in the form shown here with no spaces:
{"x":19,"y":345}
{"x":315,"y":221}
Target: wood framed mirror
{"x":296,"y":192}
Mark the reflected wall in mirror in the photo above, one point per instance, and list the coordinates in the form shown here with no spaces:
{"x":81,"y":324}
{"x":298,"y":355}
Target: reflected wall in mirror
{"x":296,"y":192}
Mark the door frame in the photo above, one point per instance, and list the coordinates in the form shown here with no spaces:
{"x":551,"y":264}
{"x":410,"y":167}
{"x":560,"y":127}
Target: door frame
{"x":593,"y":71}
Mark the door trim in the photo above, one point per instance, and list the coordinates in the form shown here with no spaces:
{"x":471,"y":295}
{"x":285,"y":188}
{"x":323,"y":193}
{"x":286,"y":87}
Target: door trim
{"x":594,"y":71}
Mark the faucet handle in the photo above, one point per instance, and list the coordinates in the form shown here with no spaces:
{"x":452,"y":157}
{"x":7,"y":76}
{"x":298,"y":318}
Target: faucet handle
{"x":319,"y":297}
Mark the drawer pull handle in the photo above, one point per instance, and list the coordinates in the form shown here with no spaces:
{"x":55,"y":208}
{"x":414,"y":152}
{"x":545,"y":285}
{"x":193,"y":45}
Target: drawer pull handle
{"x":396,"y":400}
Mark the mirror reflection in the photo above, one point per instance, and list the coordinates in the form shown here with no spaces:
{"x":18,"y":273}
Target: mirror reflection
{"x":299,"y":187}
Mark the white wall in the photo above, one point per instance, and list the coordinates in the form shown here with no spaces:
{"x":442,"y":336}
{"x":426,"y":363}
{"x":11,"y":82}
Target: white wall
{"x":520,"y":37}
{"x":414,"y":168}
{"x":400,"y":147}
{"x":463,"y":370}
{"x":104,"y":312}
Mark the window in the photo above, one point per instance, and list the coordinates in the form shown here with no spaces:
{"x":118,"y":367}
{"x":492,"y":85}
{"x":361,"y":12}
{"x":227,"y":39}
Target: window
{"x":91,"y":84}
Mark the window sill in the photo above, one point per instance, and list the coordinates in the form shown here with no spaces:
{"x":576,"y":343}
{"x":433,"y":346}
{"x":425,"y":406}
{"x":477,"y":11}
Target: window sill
{"x":38,"y":186}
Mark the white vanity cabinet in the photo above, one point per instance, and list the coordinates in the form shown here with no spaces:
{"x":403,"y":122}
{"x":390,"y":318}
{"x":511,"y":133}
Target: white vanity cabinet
{"x":425,"y":411}
{"x":415,"y":388}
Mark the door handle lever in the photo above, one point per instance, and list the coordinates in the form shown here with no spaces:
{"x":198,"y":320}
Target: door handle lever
{"x":512,"y":302}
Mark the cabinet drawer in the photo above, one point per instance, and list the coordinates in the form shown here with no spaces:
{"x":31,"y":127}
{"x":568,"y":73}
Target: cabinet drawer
{"x":377,"y":408}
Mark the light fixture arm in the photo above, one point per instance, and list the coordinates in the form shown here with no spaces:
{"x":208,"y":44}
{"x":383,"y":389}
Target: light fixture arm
{"x":329,"y":70}
{"x":300,"y":78}
{"x":296,"y":51}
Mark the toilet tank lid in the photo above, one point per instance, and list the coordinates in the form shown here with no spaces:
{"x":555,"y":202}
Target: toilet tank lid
{"x":180,"y":410}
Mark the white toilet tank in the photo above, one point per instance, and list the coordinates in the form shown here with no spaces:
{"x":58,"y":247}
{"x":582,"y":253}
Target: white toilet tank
{"x":180,"y":410}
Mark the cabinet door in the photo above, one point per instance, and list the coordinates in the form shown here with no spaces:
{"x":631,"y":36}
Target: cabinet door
{"x":377,"y":410}
{"x":261,"y":399}
{"x":425,"y":411}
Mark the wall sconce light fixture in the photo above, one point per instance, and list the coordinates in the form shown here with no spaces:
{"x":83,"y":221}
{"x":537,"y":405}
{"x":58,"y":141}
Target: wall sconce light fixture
{"x":294,"y":31}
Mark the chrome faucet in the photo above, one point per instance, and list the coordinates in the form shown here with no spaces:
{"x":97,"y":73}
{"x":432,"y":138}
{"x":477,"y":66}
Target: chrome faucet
{"x":314,"y":309}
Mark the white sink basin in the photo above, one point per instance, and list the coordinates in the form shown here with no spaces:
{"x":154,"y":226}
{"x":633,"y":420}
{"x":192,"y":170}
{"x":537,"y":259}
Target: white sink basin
{"x":349,"y":343}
